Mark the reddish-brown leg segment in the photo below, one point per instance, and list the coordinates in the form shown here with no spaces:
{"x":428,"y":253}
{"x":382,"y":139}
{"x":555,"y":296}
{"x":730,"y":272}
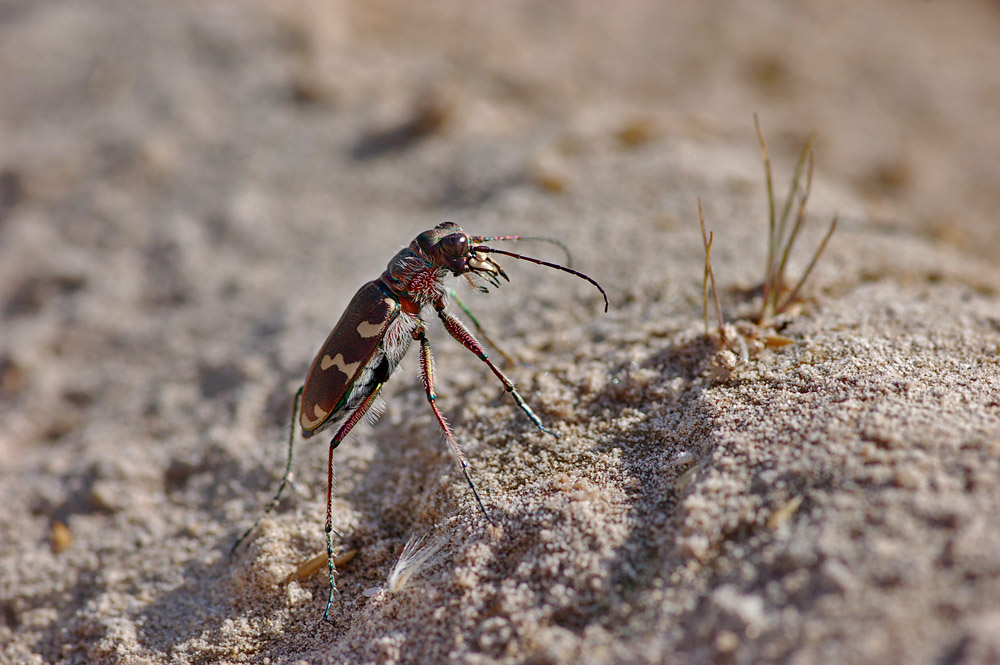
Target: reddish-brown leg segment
{"x":342,"y":433}
{"x":427,"y":373}
{"x":462,"y":334}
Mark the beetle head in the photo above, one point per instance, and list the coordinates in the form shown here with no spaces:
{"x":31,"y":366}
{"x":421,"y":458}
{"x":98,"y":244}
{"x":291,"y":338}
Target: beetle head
{"x":448,"y":246}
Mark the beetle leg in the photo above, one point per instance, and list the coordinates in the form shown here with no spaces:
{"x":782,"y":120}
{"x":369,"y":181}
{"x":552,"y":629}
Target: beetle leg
{"x":461,"y":333}
{"x":284,"y":479}
{"x":427,"y":373}
{"x":342,"y":433}
{"x":479,"y":329}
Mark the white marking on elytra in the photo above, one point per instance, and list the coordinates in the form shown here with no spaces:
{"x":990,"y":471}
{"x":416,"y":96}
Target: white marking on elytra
{"x":367,"y":330}
{"x":338,"y":362}
{"x":308,"y":423}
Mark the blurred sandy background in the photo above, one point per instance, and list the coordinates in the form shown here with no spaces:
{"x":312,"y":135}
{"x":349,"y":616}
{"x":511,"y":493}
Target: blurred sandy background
{"x":191,"y":192}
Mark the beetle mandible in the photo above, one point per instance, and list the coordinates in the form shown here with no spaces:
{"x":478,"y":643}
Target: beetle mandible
{"x":375,"y":332}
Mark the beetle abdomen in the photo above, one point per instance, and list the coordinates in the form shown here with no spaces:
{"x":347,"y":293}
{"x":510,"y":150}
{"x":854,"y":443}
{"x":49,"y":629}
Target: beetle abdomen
{"x":342,"y":371}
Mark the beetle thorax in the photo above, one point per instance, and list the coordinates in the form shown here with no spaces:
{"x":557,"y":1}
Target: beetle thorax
{"x":413,"y":278}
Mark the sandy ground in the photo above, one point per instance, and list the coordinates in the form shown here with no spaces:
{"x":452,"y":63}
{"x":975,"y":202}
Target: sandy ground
{"x":190,"y":193}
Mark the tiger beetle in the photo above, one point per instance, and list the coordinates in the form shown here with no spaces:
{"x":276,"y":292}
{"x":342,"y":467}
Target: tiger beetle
{"x":375,"y":332}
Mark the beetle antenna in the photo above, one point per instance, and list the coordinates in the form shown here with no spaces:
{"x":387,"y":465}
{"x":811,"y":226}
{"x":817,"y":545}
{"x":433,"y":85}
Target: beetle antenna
{"x":551,"y":241}
{"x":490,"y":250}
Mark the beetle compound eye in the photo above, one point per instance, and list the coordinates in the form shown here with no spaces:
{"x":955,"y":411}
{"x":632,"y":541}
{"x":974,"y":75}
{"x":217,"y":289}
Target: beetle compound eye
{"x":457,"y":244}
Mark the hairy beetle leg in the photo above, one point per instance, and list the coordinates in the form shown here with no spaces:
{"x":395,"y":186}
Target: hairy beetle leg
{"x":342,"y":433}
{"x":427,"y":373}
{"x":508,"y":359}
{"x":461,"y":333}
